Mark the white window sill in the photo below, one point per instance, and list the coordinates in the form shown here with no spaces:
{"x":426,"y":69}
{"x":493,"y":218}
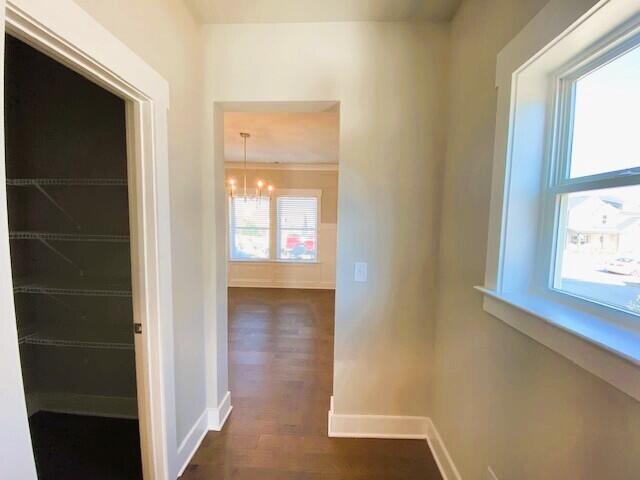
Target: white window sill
{"x":278,"y":262}
{"x":606,"y":350}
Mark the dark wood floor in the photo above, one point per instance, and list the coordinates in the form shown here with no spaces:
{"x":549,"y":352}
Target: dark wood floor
{"x":281,"y":368}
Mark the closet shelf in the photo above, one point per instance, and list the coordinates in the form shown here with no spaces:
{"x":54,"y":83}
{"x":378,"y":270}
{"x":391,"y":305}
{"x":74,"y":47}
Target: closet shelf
{"x":22,"y":339}
{"x":67,"y":237}
{"x":48,"y":290}
{"x":70,"y":182}
{"x":51,"y":342}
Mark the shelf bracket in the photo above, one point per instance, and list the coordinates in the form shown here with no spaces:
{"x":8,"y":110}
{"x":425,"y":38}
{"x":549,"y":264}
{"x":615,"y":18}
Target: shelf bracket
{"x":61,"y":255}
{"x":63,"y":303}
{"x":56,"y":204}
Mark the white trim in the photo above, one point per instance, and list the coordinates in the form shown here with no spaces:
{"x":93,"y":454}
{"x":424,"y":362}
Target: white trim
{"x":192,"y":442}
{"x":217,"y":417}
{"x":607,"y":351}
{"x":394,"y":427}
{"x":68,"y":34}
{"x":441,"y":455}
{"x":275,"y":262}
{"x":376,"y":426}
{"x":312,"y":167}
{"x":210,"y":419}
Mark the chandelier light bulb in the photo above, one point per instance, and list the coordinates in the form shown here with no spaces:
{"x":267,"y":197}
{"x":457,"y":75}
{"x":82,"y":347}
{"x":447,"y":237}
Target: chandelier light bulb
{"x":233,"y":183}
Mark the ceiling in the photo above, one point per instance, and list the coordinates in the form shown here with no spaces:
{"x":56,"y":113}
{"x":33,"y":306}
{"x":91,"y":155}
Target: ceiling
{"x":283,"y":137}
{"x":283,"y":11}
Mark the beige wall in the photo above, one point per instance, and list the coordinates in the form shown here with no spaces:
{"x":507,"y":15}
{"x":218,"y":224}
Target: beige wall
{"x":327,"y":181}
{"x":390,"y":79}
{"x":500,"y":398}
{"x":164,"y":34}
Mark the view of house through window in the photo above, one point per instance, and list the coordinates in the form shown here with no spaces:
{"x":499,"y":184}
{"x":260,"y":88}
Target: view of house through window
{"x":601,"y":254}
{"x":599,"y":228}
{"x":297,"y":228}
{"x":251,"y":223}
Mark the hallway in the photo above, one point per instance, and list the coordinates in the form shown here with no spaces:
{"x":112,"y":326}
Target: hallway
{"x":281,"y":369}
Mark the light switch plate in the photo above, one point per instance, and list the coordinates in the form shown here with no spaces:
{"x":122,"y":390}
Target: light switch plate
{"x":360,"y":272}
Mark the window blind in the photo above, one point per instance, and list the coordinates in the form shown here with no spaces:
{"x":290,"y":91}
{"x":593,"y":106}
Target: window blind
{"x":297,"y":224}
{"x":249,"y":227}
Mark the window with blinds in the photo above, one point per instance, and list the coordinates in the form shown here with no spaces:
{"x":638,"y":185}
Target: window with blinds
{"x":249,"y":220}
{"x":297,"y":222}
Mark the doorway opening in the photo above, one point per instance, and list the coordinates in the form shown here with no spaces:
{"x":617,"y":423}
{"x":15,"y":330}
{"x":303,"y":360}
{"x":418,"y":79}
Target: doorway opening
{"x":68,"y":211}
{"x":281,"y":271}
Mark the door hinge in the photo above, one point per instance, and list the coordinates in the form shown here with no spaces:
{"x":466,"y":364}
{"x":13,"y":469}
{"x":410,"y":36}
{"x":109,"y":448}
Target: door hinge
{"x":137,"y":328}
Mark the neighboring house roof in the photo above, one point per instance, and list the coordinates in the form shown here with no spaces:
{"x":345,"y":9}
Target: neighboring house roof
{"x":599,"y":215}
{"x":629,"y":222}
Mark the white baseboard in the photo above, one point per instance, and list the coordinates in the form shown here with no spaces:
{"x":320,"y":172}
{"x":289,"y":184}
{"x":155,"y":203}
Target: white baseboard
{"x":81,"y":404}
{"x":218,"y":416}
{"x":211,"y":419}
{"x":440,"y":453}
{"x":191,"y":442}
{"x":376,"y":426}
{"x":390,"y":426}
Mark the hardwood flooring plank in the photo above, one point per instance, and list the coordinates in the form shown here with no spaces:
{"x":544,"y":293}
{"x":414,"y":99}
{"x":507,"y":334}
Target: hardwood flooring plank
{"x":281,"y":375}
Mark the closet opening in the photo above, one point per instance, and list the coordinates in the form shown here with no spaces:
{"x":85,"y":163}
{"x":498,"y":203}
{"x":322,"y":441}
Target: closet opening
{"x":68,"y":211}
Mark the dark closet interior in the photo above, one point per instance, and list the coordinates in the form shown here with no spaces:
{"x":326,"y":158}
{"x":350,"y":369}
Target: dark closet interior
{"x":66,"y":164}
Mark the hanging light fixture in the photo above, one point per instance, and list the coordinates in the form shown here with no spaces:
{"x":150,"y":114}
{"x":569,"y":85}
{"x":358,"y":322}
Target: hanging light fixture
{"x":260,"y":184}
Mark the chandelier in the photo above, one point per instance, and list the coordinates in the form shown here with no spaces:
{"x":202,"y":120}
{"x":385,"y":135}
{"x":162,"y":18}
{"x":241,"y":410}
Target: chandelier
{"x":260,"y":186}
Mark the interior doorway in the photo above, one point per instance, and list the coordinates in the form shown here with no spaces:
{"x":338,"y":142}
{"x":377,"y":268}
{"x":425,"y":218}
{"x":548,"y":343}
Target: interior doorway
{"x":281,"y":172}
{"x":64,"y":33}
{"x":281,"y":217}
{"x":68,"y":212}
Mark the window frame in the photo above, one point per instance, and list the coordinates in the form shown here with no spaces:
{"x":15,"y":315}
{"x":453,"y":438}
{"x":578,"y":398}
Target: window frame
{"x":558,"y":181}
{"x":598,"y":339}
{"x":316,"y":229}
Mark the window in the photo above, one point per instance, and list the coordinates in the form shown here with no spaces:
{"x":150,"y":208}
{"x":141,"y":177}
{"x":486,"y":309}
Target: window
{"x":297,"y":228}
{"x":286,"y":231}
{"x":249,"y":228}
{"x":562,"y":249}
{"x":595,"y":192}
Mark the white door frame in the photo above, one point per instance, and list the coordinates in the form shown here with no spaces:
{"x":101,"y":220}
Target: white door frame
{"x":65,"y":32}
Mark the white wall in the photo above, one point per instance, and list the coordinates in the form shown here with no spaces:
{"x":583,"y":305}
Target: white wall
{"x":500,"y":398}
{"x":390,"y":79}
{"x":165,"y":35}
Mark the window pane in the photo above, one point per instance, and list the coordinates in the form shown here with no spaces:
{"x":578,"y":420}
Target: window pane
{"x":607,"y":115}
{"x":297,"y":225}
{"x":600,"y":256}
{"x":249,"y":227}
{"x":250,"y":244}
{"x":298,"y":245}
